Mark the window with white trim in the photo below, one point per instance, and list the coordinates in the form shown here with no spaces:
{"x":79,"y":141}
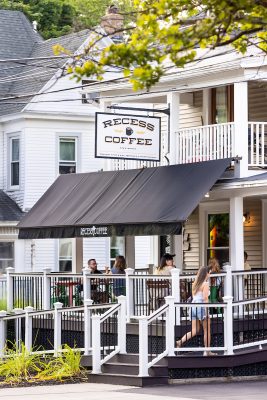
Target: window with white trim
{"x":65,"y":255}
{"x":14,"y":161}
{"x":218,"y":237}
{"x":6,"y":256}
{"x":67,"y":155}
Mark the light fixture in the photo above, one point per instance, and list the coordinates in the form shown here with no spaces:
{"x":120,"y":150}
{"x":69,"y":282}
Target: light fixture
{"x":246,"y":217}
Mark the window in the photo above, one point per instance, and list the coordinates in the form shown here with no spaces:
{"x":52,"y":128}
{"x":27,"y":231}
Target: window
{"x":222,"y":104}
{"x":67,"y":155}
{"x":218,"y":237}
{"x":65,"y":255}
{"x":14,"y":161}
{"x":6,"y":256}
{"x":117,"y":248}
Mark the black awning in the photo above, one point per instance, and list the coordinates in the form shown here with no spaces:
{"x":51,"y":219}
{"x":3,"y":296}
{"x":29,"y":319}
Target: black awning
{"x":149,"y":201}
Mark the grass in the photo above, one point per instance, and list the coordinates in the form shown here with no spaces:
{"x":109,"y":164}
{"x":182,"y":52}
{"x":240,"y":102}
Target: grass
{"x":20,"y":366}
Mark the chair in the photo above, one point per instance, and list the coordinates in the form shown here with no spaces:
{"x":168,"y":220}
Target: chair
{"x":157,"y":290}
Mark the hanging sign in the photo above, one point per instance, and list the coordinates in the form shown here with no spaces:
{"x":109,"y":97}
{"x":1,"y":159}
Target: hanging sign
{"x":133,"y":137}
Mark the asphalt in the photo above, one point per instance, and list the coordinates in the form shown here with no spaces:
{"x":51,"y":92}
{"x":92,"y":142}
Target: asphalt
{"x":256,"y":390}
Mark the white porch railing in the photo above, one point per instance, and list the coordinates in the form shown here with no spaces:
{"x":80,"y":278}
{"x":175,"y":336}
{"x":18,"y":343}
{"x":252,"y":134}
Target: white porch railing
{"x":257,"y":144}
{"x":203,"y":143}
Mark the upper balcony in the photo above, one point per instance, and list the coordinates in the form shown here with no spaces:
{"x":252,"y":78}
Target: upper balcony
{"x":214,"y":142}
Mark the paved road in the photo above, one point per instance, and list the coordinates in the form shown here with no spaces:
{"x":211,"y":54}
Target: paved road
{"x":90,"y":391}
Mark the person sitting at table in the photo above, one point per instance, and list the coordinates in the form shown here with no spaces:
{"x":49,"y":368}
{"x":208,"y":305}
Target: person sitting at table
{"x":118,"y":268}
{"x":99,"y":289}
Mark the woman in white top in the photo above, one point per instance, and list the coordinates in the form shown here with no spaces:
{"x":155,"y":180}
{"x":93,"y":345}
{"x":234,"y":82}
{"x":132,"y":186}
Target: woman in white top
{"x":166,"y":265}
{"x":200,"y":315}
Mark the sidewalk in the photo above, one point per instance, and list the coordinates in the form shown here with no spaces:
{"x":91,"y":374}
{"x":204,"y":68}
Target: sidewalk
{"x":214,"y":391}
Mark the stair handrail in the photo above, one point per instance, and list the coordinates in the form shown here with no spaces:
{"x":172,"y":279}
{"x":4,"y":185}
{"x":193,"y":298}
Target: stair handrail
{"x":97,"y":362}
{"x":144,"y":321}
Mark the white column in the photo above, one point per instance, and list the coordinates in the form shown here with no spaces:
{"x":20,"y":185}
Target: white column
{"x":87,"y":327}
{"x":57,"y":328}
{"x":2,"y":332}
{"x":228,"y":325}
{"x":86,"y":283}
{"x":28,"y":328}
{"x":9,"y":288}
{"x":206,"y":106}
{"x":236,"y":233}
{"x":130,"y":296}
{"x":122,"y":324}
{"x":174,"y":102}
{"x":175,"y":273}
{"x":143,"y":346}
{"x":96,"y":344}
{"x":46,"y":289}
{"x":170,"y":325}
{"x":241,"y":127}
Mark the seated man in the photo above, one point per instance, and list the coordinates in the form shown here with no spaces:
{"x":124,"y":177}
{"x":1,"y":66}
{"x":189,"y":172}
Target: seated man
{"x":99,"y":288}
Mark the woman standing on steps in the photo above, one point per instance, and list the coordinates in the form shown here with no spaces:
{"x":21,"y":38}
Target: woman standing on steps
{"x":200,"y":315}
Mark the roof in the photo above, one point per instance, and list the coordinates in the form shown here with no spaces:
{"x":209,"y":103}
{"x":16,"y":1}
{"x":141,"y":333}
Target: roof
{"x":19,"y":40}
{"x":9,"y":210}
{"x":148,"y":201}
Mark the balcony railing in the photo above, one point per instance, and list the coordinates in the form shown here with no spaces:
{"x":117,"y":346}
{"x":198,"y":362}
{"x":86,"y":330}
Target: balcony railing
{"x":214,"y":142}
{"x":204,"y":143}
{"x":257,"y":144}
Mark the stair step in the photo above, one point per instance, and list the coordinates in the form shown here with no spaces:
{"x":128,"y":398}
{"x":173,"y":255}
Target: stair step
{"x":127,"y":380}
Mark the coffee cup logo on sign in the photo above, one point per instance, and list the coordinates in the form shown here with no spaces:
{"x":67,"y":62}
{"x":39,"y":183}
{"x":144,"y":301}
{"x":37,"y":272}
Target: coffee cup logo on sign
{"x":129,"y":131}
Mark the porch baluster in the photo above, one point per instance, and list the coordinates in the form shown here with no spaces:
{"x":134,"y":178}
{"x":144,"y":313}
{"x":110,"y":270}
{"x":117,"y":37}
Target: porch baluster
{"x":2,"y":332}
{"x":87,"y":326}
{"x":9,"y":287}
{"x":28,"y":328}
{"x":57,"y":328}
{"x":130,"y":298}
{"x":228,"y":325}
{"x":46,"y":288}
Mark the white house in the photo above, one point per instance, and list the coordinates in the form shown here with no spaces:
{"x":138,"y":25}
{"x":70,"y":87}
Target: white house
{"x":217,"y":110}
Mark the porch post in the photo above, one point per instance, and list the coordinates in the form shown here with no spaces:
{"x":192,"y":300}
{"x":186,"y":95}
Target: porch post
{"x":228,"y":325}
{"x":2,"y":332}
{"x":46,"y":289}
{"x":236,"y":233}
{"x":57,"y":327}
{"x":173,"y":99}
{"x":86,"y":283}
{"x":87,"y":326}
{"x":170,"y":325}
{"x":143,"y":346}
{"x":9,"y":288}
{"x":130,"y":295}
{"x":122,"y":324}
{"x":237,"y":243}
{"x":96,"y":344}
{"x":28,"y":328}
{"x":241,"y":128}
{"x":175,"y":274}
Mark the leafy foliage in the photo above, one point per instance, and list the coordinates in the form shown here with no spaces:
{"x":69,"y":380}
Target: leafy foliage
{"x":59,"y":17}
{"x":170,"y":32}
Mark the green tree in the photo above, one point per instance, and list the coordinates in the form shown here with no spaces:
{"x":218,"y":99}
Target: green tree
{"x":171,"y":31}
